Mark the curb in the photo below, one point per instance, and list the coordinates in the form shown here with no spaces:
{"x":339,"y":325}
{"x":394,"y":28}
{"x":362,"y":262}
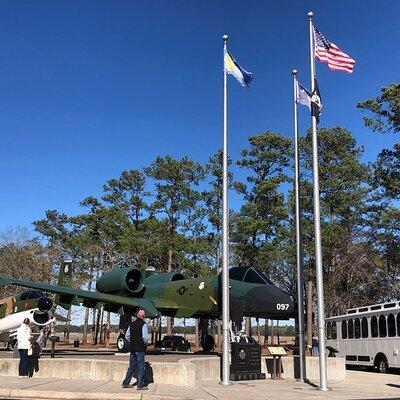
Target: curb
{"x":171,"y":373}
{"x":42,"y":394}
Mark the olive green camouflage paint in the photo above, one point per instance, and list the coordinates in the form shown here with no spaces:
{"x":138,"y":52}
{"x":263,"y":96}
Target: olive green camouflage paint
{"x":126,"y":290}
{"x":14,"y":304}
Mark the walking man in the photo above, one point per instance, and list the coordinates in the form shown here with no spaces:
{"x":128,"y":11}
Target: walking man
{"x":137,"y":335}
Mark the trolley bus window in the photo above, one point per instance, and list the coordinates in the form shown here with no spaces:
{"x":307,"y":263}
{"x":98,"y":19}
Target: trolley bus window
{"x":357,"y":328}
{"x":334,"y":330}
{"x":382,"y":326}
{"x":374,"y":327}
{"x":364,"y":327}
{"x":344,"y":329}
{"x":351,"y":329}
{"x":398,"y":324}
{"x":328,"y":331}
{"x":391,"y":325}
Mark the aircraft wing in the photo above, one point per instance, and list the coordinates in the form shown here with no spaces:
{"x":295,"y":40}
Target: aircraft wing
{"x":70,"y":296}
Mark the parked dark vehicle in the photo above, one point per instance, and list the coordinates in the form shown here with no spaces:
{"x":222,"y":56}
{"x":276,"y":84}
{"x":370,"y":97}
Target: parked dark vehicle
{"x":172,"y":343}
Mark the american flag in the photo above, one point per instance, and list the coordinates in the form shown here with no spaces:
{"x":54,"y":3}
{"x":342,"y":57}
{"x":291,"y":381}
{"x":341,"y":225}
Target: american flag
{"x":328,"y":52}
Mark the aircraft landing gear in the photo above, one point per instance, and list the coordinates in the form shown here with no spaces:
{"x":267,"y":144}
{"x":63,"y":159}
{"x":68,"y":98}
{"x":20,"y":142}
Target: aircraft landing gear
{"x":238,"y":333}
{"x":122,"y":343}
{"x":206,"y":340}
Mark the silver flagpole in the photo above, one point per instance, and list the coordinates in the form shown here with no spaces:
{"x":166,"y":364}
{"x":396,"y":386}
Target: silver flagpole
{"x":317,"y":228}
{"x":299,"y":253}
{"x":225,"y":241}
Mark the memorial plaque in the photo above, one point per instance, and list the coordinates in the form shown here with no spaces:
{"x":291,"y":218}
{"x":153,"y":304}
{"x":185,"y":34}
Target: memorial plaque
{"x":276,"y":351}
{"x":245,"y":361}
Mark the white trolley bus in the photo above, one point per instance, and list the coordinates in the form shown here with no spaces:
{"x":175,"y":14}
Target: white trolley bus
{"x":367,"y":336}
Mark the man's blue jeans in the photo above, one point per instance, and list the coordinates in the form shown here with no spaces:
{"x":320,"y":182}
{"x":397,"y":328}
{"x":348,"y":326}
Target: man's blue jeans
{"x":136,"y":365}
{"x":315,"y":351}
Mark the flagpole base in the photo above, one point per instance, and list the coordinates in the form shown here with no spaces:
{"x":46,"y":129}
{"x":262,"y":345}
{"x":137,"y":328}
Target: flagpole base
{"x":326,"y":389}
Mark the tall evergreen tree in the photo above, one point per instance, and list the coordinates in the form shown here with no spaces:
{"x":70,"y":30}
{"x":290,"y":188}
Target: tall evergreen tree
{"x":345,"y":212}
{"x":176,"y":193}
{"x":385,"y":110}
{"x":128,"y":194}
{"x":383,"y":116}
{"x":263,"y":213}
{"x":177,"y":196}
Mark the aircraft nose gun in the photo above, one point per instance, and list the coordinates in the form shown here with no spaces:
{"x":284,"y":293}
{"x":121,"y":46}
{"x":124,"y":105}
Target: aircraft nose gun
{"x":44,"y":304}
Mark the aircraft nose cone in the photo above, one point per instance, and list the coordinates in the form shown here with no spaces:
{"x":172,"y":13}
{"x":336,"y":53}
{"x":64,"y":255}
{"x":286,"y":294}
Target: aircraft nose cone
{"x":44,"y":304}
{"x":270,"y":301}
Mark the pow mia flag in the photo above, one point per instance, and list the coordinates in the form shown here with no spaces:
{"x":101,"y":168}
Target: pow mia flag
{"x":316,"y":102}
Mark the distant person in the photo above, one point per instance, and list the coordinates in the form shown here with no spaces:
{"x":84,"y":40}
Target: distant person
{"x":106,"y":335}
{"x":315,"y":347}
{"x":24,"y":337}
{"x":137,"y":335}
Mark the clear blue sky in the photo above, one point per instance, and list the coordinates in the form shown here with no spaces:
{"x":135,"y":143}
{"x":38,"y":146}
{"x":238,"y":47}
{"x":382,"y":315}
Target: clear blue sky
{"x":90,"y":88}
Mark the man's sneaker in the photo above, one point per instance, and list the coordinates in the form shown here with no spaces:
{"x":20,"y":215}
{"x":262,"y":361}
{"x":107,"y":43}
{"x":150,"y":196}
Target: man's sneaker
{"x":124,"y":385}
{"x":143,"y":388}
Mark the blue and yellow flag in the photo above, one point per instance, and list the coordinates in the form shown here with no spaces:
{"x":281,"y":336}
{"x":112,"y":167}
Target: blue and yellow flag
{"x":232,"y":67}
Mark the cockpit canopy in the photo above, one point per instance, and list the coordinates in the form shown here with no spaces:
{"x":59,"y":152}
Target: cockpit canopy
{"x":249,"y":275}
{"x":31,"y":294}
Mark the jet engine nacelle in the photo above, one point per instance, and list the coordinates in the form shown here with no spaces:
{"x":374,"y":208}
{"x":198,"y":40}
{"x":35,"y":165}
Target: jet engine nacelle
{"x":35,"y":316}
{"x":164,"y":277}
{"x":124,"y":280}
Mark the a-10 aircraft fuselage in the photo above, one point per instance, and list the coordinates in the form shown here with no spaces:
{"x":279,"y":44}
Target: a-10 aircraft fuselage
{"x":201,"y":297}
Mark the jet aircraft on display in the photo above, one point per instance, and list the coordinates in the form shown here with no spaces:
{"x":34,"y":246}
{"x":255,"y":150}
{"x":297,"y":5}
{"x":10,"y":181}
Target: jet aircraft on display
{"x":125,"y":290}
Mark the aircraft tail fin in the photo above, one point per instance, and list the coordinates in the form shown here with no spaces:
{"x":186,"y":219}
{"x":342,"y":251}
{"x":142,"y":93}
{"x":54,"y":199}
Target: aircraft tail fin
{"x":64,"y":279}
{"x":65,"y":274}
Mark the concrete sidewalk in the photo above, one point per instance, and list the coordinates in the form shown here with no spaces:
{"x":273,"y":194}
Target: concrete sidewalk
{"x":360,"y":385}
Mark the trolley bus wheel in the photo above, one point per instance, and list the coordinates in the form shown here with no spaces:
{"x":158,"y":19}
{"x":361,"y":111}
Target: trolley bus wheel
{"x":381,"y":365}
